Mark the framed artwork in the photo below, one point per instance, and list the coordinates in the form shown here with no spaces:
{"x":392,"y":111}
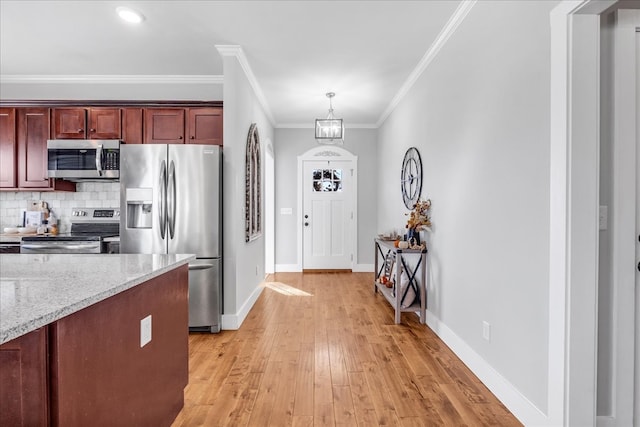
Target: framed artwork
{"x":253,"y":186}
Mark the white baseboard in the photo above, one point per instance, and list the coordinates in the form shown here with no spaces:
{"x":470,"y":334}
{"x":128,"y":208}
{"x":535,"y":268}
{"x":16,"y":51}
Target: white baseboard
{"x":233,"y":321}
{"x":296,"y":268}
{"x":525,"y":411}
{"x":605,"y":421}
{"x":363,"y":268}
{"x":288,"y":268}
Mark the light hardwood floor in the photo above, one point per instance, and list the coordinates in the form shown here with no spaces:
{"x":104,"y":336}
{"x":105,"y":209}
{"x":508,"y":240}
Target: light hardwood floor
{"x":322,"y":349}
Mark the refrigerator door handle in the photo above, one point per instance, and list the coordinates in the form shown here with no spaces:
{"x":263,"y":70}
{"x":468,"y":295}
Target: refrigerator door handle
{"x":200,"y":266}
{"x":171,"y":201}
{"x":162,"y":209}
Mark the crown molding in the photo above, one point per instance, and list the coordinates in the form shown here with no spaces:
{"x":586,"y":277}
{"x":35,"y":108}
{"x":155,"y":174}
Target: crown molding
{"x":237,"y":52}
{"x":110,"y":79}
{"x":447,"y":31}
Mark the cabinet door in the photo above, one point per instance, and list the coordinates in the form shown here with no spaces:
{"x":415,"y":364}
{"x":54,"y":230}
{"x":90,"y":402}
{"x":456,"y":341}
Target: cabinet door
{"x":132,"y":125}
{"x":205,"y":126}
{"x":24,"y":394}
{"x":8,"y":149}
{"x":69,"y":123}
{"x":33,"y":132}
{"x":104,"y":123}
{"x":164,"y":126}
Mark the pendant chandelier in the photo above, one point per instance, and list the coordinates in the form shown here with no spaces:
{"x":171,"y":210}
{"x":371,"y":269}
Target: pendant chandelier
{"x":330,"y":130}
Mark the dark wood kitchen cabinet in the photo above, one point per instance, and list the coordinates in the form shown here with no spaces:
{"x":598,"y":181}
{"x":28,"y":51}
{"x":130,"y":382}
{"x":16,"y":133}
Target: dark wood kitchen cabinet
{"x":8,"y":148}
{"x":132,"y":125}
{"x":204,"y":126}
{"x":24,"y":390}
{"x":164,"y":125}
{"x":201,"y":125}
{"x":86,"y":123}
{"x":33,"y":126}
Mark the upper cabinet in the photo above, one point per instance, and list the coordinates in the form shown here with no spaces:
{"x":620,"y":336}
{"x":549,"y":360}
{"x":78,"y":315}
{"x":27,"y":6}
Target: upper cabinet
{"x":132,"y":125}
{"x":8,"y":148}
{"x":86,"y":123}
{"x":32,"y":130}
{"x":197,"y":125}
{"x":204,"y":126}
{"x":164,"y":125}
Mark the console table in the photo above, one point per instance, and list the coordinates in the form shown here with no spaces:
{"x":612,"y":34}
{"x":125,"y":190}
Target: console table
{"x":417,"y":277}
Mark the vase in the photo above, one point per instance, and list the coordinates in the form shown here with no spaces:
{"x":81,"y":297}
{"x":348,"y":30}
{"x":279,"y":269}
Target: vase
{"x":413,"y":236}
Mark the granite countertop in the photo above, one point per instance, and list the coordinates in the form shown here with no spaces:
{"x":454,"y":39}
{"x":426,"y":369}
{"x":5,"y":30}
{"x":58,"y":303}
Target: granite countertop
{"x":39,"y":289}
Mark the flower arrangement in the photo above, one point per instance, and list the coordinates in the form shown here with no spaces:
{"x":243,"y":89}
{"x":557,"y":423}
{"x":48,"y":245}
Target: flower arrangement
{"x":419,"y":217}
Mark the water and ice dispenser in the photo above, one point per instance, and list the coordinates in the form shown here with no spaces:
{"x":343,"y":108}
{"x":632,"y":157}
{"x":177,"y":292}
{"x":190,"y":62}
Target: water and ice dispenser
{"x":139,"y":207}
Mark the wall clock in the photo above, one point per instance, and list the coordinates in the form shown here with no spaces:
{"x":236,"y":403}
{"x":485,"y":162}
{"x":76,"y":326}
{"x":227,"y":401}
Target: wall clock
{"x":411,"y":178}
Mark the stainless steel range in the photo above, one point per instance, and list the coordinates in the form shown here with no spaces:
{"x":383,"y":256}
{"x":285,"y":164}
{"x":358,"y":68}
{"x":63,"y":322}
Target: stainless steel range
{"x":93,"y":231}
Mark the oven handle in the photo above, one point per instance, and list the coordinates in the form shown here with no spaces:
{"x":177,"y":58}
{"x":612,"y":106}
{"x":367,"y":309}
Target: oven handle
{"x":99,"y":159}
{"x":70,"y":247}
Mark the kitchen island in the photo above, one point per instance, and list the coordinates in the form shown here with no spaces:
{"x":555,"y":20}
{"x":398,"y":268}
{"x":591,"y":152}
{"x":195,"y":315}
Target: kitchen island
{"x":93,"y":339}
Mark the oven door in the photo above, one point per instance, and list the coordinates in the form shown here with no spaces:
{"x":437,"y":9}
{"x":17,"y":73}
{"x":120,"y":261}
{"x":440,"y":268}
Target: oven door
{"x":68,"y":247}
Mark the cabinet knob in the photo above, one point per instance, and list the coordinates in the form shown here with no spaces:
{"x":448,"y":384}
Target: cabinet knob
{"x":80,"y":130}
{"x":306,"y":224}
{"x":92,"y":130}
{"x":180,"y":137}
{"x":193,"y":137}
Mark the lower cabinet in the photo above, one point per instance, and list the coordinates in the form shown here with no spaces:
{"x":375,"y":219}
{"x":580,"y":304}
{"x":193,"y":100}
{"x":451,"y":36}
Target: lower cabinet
{"x":24,"y":387}
{"x":91,"y":369}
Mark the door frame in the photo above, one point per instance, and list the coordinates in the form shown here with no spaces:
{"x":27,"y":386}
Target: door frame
{"x":269,"y":209}
{"x":326,"y":152}
{"x":573,"y":213}
{"x":624,"y":216}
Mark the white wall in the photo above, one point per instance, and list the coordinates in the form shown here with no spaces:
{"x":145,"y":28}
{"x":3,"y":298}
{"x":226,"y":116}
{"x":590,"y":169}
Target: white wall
{"x":243,"y":262}
{"x":605,"y":279}
{"x":108,"y":92}
{"x":290,"y":143}
{"x":480,"y":117}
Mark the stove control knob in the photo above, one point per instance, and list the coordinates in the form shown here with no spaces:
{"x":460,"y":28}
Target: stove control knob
{"x":74,"y":213}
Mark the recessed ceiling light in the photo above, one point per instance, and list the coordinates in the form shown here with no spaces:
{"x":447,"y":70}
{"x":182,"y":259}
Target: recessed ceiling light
{"x":130,"y":15}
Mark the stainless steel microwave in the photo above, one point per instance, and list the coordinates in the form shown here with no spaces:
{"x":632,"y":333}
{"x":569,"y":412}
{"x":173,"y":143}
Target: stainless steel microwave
{"x":83,"y":159}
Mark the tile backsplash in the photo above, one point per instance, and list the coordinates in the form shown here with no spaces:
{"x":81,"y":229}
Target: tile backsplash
{"x":88,"y":194}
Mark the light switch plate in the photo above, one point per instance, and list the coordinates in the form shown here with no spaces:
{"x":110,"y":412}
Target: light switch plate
{"x":145,"y":331}
{"x":603,"y":218}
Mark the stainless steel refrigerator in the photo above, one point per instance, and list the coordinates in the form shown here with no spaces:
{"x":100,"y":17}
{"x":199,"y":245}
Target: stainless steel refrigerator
{"x":170,"y":202}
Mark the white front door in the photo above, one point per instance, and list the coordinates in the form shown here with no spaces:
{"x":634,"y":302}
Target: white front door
{"x":327,"y":209}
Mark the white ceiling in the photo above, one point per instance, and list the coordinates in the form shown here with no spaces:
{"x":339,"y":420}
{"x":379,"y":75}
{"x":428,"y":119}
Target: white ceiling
{"x":298,"y":50}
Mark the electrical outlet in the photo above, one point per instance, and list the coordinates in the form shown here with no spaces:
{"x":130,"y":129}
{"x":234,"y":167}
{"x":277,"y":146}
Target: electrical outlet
{"x":603,"y":217}
{"x":145,"y":331}
{"x":486,"y":330}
